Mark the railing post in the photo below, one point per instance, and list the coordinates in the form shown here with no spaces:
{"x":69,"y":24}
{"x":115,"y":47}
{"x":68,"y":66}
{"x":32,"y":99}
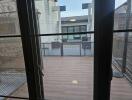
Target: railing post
{"x":62,"y":49}
{"x":80,"y":49}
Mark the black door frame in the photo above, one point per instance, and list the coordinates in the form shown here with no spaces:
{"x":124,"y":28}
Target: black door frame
{"x":31,"y":49}
{"x":104,"y":20}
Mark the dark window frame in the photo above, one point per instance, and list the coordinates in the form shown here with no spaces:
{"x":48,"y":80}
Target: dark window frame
{"x":100,"y":92}
{"x":28,"y":24}
{"x":104,"y":22}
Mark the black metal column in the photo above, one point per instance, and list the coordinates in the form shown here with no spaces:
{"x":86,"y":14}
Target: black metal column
{"x":37,"y":43}
{"x":104,"y":19}
{"x":32,"y":58}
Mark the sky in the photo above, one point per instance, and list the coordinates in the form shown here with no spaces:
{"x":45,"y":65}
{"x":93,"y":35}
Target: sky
{"x":74,"y":7}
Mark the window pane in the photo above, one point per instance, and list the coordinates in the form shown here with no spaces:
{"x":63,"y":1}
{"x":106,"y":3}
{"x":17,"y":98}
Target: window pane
{"x":122,"y":52}
{"x":77,"y":37}
{"x":12,"y":68}
{"x":83,"y":28}
{"x":83,"y":35}
{"x":77,"y":29}
{"x":9,"y":23}
{"x":64,"y":29}
{"x":66,"y":78}
{"x":70,"y":29}
{"x":70,"y":37}
{"x":65,"y":37}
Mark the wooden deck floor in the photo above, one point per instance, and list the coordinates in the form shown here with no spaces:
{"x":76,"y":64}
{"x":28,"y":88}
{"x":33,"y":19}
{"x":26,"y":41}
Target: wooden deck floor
{"x":60,"y":74}
{"x":71,"y":78}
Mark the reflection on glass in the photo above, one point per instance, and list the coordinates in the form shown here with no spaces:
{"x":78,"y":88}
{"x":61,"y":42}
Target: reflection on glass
{"x":70,"y":29}
{"x":76,"y":37}
{"x":12,"y":68}
{"x":76,"y":29}
{"x":71,"y":46}
{"x":68,"y":69}
{"x":64,"y":29}
{"x":70,"y":37}
{"x":122,"y":69}
{"x":9,"y":23}
{"x":67,"y":76}
{"x":83,"y":28}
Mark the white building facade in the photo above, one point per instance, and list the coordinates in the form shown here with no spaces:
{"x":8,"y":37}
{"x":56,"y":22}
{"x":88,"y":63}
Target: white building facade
{"x":77,"y":24}
{"x":49,"y":18}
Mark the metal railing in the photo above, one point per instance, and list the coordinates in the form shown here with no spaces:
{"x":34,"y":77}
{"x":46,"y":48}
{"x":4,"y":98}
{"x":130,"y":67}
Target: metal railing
{"x":67,"y":49}
{"x":119,"y":45}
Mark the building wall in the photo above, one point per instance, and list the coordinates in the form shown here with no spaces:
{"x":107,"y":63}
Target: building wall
{"x":82,"y":23}
{"x":49,"y":20}
{"x":77,"y":23}
{"x":11,"y":52}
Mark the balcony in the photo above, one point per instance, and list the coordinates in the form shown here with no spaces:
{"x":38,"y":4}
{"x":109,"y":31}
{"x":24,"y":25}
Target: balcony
{"x":71,"y":78}
{"x":67,"y":67}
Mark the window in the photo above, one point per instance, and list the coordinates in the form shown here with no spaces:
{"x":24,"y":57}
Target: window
{"x":72,"y":29}
{"x":64,"y":29}
{"x":83,"y":28}
{"x":76,"y":29}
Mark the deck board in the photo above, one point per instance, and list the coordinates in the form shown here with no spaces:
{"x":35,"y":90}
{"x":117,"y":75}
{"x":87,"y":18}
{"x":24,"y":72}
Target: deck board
{"x":59,"y":74}
{"x":61,"y":71}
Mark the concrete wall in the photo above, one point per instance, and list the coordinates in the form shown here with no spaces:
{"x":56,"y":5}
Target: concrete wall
{"x":49,"y":20}
{"x":11,"y":52}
